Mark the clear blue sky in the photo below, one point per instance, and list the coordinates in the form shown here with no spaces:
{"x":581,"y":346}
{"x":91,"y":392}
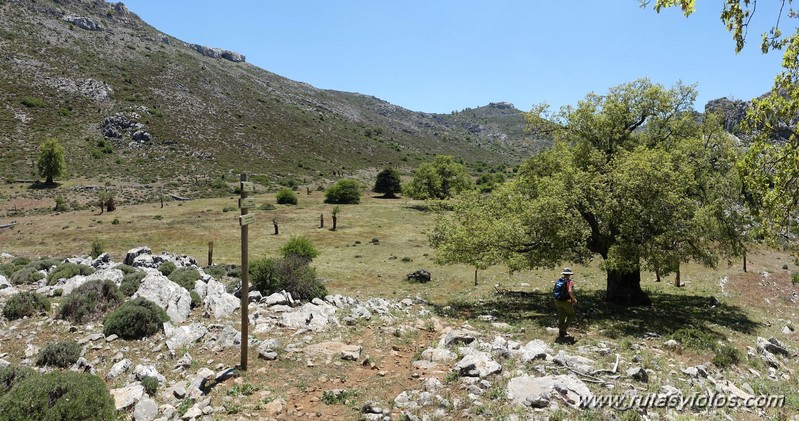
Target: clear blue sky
{"x":445,"y":55}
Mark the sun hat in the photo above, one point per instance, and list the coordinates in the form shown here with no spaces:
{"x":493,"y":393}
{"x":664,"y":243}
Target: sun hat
{"x":567,"y":271}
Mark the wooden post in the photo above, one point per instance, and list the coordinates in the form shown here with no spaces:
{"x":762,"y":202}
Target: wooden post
{"x":274,"y":222}
{"x":210,"y":253}
{"x":321,"y":220}
{"x":744,"y":261}
{"x":245,"y":281}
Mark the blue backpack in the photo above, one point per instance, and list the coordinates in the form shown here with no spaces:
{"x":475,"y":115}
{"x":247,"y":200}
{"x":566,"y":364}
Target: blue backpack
{"x":561,"y":290}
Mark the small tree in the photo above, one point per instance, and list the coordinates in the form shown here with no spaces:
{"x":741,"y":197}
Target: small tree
{"x":441,"y":179}
{"x":344,"y":192}
{"x":51,"y":160}
{"x":388,"y":183}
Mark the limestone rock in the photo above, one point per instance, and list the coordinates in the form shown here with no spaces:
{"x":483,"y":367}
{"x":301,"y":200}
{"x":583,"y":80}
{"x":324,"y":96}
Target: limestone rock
{"x":567,"y":387}
{"x":173,"y":298}
{"x":126,"y":396}
{"x":477,"y":364}
{"x":218,"y":303}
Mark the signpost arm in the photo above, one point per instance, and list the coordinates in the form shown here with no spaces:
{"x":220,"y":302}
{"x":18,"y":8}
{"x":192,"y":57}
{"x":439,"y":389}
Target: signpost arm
{"x":245,"y":280}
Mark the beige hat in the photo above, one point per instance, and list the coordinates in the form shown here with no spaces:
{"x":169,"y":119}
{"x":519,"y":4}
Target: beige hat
{"x":567,"y":271}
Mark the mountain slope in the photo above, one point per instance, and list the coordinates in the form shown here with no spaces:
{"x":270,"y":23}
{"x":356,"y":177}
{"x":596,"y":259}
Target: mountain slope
{"x":129,"y":102}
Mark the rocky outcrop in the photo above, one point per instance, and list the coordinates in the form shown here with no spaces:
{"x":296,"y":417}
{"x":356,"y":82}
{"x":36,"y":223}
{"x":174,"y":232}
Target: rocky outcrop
{"x":83,"y":23}
{"x":219,"y":53}
{"x":732,"y":112}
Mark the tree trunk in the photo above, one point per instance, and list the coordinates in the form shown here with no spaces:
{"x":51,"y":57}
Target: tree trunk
{"x":49,"y":180}
{"x":102,"y":206}
{"x":322,"y":221}
{"x":744,"y":261}
{"x":274,"y":222}
{"x":334,"y":223}
{"x":624,"y":288}
{"x":475,"y":276}
{"x":677,"y":276}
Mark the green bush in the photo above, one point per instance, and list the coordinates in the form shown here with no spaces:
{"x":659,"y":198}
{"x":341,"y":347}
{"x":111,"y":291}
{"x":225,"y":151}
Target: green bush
{"x":135,"y":319}
{"x":68,"y":270}
{"x":26,"y":275}
{"x":697,"y":339}
{"x":60,"y":395}
{"x":131,"y":283}
{"x":217,"y":271}
{"x":89,"y":301}
{"x":291,"y":273}
{"x":30,"y":102}
{"x":13,"y":374}
{"x":185,"y":277}
{"x":344,"y":192}
{"x":196,"y":301}
{"x":20,"y":261}
{"x":726,"y":356}
{"x":126,"y":269}
{"x":267,"y":206}
{"x":98,"y":248}
{"x":286,"y":197}
{"x":25,"y":304}
{"x":60,"y":204}
{"x":59,"y":354}
{"x":166,"y":268}
{"x":301,"y":247}
{"x":262,"y":276}
{"x":795,"y":278}
{"x":7,"y":269}
{"x":150,"y":384}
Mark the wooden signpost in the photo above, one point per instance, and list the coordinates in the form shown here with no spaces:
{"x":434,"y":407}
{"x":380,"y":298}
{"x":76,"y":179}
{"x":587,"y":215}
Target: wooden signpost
{"x":244,"y":221}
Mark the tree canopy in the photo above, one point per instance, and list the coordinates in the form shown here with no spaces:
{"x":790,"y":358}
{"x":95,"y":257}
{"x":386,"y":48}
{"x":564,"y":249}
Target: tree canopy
{"x":441,"y":179}
{"x":51,"y":160}
{"x":632,"y":177}
{"x":346,"y":191}
{"x":771,"y":164}
{"x":388,"y":183}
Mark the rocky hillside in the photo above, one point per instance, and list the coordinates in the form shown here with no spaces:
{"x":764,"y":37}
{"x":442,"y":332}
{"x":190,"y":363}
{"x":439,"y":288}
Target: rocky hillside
{"x":130,"y":102}
{"x":387,"y":359}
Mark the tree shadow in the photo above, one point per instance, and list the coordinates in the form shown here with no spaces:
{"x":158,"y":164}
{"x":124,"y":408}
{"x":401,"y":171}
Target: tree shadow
{"x":667,"y":314}
{"x":38,"y":185}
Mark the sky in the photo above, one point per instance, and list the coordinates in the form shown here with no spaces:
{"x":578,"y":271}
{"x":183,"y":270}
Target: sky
{"x":439,"y":56}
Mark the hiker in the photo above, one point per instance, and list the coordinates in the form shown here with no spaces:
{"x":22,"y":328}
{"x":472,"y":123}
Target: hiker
{"x":564,"y":301}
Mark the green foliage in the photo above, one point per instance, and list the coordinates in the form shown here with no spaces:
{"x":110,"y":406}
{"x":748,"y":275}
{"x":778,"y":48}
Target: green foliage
{"x":89,"y":301}
{"x":166,"y":268}
{"x":131,"y":283}
{"x":696,"y":339}
{"x":286,"y":197}
{"x":291,"y":273}
{"x":344,"y":192}
{"x":25,"y":304}
{"x":795,"y":278}
{"x":51,"y":160}
{"x":441,"y":179}
{"x":60,"y":204}
{"x":217,"y":271}
{"x":98,"y":248}
{"x":32,"y":102}
{"x":388,"y":183}
{"x":13,"y":374}
{"x":135,"y":319}
{"x":196,"y":300}
{"x":26,"y":275}
{"x":68,"y":270}
{"x":59,"y":395}
{"x":185,"y":277}
{"x":267,"y":206}
{"x":300,"y":247}
{"x":126,"y":269}
{"x":150,"y":384}
{"x":726,"y":356}
{"x":59,"y":354}
{"x":339,"y":397}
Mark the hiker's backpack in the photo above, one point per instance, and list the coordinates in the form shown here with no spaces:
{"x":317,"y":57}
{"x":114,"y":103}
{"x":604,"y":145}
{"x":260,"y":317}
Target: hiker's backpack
{"x":561,"y":290}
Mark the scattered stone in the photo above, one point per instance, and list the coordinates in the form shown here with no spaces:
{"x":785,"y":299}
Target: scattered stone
{"x":672,"y":344}
{"x":126,"y":396}
{"x":145,"y":410}
{"x":638,"y":373}
{"x":477,"y":364}
{"x":565,"y":387}
{"x":421,"y":275}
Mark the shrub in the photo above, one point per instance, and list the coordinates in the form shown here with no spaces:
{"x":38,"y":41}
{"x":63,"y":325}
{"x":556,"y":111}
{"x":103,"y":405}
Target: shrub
{"x":60,"y":395}
{"x":196,"y":300}
{"x":216,"y":271}
{"x":291,"y":274}
{"x":267,"y":206}
{"x":26,"y":275}
{"x":130,"y":283}
{"x":726,"y":356}
{"x":31,"y":101}
{"x":262,"y":276}
{"x":135,"y":319}
{"x":185,"y":277}
{"x":286,"y":197}
{"x":150,"y":384}
{"x":68,"y":270}
{"x":300,"y":247}
{"x":60,"y":204}
{"x":98,"y":248}
{"x":166,"y":268}
{"x":90,"y":300}
{"x":126,"y":269}
{"x":25,"y":304}
{"x":795,"y":278}
{"x":59,"y":354}
{"x":344,"y":192}
{"x":6,"y":269}
{"x":388,"y":183}
{"x":696,"y":339}
{"x":13,"y":374}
